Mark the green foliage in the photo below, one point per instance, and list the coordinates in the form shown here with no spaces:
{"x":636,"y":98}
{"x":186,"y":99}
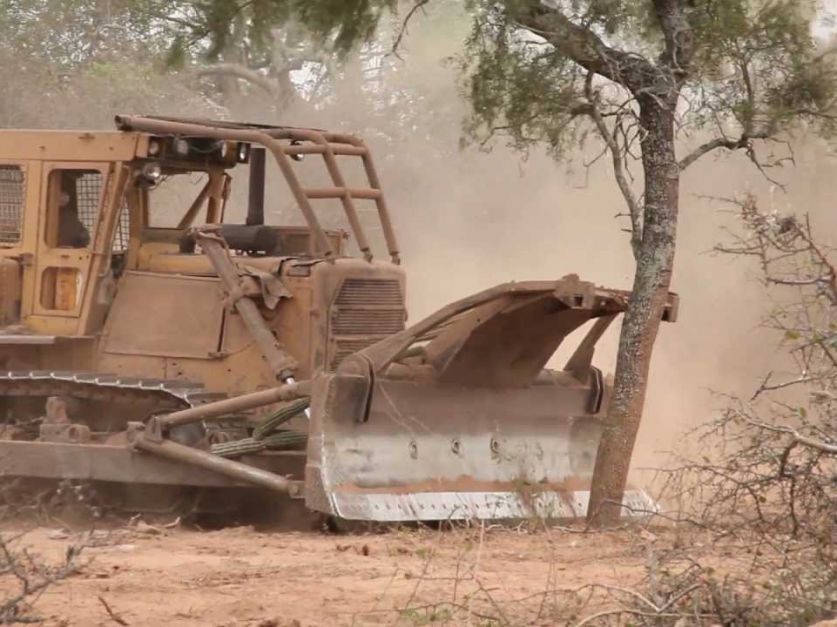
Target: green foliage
{"x":427,"y":616}
{"x":176,"y":55}
{"x":758,"y":64}
{"x":346,"y":22}
{"x":70,"y":33}
{"x":83,"y":60}
{"x":756,"y":69}
{"x":215,"y":29}
{"x":519,"y":87}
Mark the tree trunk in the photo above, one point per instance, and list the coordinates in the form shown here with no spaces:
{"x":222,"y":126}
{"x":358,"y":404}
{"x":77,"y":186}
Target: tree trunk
{"x":645,"y":309}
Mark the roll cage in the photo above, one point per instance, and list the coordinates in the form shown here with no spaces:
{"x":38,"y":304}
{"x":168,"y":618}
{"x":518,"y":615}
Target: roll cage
{"x":285,"y":144}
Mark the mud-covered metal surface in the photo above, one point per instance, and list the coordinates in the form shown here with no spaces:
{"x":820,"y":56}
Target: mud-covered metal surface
{"x":457,"y":416}
{"x":100,"y":385}
{"x":430,"y":451}
{"x":111,"y":458}
{"x":453,"y":417}
{"x":477,"y":505}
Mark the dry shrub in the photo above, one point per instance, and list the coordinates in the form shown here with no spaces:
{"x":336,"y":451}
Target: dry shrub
{"x":25,"y":576}
{"x":764,"y":485}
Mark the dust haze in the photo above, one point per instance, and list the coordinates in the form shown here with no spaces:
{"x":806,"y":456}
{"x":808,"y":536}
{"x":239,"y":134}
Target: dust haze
{"x":468,"y":219}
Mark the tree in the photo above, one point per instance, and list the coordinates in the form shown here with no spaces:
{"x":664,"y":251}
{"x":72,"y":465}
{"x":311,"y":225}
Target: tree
{"x":278,"y":49}
{"x":255,"y":44}
{"x":643,"y":73}
{"x":82,"y":60}
{"x":233,"y":53}
{"x":642,"y":78}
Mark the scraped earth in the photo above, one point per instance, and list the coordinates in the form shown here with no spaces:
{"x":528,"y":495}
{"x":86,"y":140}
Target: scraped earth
{"x":152,"y":575}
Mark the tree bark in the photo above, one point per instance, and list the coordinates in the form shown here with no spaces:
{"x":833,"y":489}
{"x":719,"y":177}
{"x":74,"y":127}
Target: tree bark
{"x":644,"y":313}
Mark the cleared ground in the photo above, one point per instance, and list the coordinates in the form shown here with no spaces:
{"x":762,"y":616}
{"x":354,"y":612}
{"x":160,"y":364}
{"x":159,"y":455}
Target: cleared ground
{"x":151,"y":575}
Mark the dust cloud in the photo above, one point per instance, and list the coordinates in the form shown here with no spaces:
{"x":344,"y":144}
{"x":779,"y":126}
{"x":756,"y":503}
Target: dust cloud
{"x":467,"y":219}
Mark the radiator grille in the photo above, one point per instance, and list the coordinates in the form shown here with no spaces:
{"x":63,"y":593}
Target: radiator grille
{"x":368,"y":321}
{"x":365,"y":311}
{"x":379,"y":292}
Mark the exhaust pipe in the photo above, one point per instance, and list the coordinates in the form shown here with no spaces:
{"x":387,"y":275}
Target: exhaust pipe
{"x":255,"y":204}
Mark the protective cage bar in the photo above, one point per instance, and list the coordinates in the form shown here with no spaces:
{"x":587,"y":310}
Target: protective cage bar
{"x":329,"y":145}
{"x":89,"y":197}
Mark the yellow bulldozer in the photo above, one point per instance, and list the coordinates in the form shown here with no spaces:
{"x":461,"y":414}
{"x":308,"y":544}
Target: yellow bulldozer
{"x":158,"y":355}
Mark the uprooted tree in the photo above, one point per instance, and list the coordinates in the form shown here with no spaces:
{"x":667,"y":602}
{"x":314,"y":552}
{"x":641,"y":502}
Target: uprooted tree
{"x":646,"y":77}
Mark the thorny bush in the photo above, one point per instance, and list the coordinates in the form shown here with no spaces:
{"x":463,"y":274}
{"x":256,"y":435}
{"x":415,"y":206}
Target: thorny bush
{"x":765,"y":481}
{"x":25,"y":576}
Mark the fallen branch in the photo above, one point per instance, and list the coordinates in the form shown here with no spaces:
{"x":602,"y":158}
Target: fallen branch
{"x":116,"y":618}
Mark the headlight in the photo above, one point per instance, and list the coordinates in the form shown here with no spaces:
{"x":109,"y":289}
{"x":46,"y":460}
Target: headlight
{"x":149,"y":175}
{"x":152,"y":171}
{"x":181,"y":147}
{"x":296,"y":157}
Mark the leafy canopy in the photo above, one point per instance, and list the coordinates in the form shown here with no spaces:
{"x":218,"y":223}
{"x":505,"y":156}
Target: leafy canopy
{"x":754,"y":70}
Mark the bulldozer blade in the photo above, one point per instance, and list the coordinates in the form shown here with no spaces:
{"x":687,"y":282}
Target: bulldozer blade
{"x":435,"y":452}
{"x":456,"y":417}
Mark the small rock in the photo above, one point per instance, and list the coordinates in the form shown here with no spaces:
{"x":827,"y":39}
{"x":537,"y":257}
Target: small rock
{"x":151,"y":530}
{"x":58,"y":534}
{"x":647,"y":536}
{"x":99,"y":535}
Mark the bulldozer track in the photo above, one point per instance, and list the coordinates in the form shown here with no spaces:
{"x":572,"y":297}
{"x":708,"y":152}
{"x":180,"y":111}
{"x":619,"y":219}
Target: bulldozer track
{"x":104,"y":387}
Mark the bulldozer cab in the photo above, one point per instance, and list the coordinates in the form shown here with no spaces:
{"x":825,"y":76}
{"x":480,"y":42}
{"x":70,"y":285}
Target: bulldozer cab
{"x":78,"y":209}
{"x":51,"y":211}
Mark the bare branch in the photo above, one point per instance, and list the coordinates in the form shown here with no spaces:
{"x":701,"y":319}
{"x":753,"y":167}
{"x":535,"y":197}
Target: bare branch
{"x":715,"y":144}
{"x":616,"y":153}
{"x":764,"y":387}
{"x":403,"y":29}
{"x":116,"y":618}
{"x":798,"y":438}
{"x":33,"y":578}
{"x":585,"y":48}
{"x":236,"y":70}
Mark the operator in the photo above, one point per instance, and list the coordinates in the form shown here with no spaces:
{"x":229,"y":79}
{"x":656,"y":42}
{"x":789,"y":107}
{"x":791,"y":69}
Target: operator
{"x":71,"y":232}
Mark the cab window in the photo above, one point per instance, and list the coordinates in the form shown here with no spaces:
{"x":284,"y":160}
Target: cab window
{"x":177,"y":200}
{"x":73,"y":206}
{"x":12,"y":186}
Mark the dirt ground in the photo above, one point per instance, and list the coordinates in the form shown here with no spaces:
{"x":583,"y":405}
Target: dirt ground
{"x":152,"y":575}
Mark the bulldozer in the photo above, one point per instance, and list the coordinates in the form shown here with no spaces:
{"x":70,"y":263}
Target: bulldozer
{"x":162,"y":351}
